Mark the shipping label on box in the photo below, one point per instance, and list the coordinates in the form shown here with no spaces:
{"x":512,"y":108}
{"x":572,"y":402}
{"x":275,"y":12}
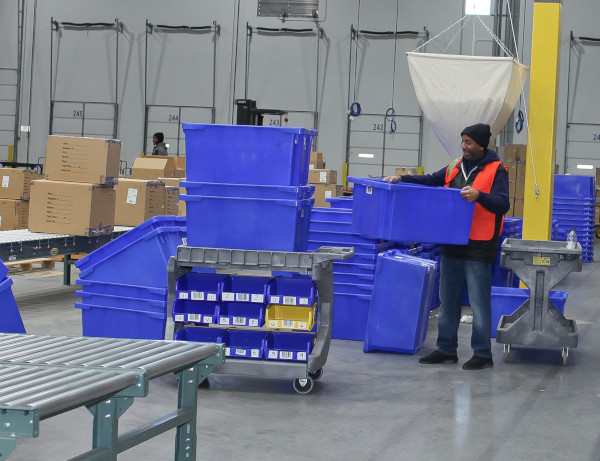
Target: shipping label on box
{"x":71,"y":208}
{"x":85,"y":160}
{"x":322,"y":176}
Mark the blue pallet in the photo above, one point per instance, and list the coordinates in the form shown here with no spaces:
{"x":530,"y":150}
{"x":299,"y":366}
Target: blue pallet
{"x":121,"y":289}
{"x":247,"y":154}
{"x":10,"y":318}
{"x":248,"y":190}
{"x":350,"y":314}
{"x":289,"y":346}
{"x":248,"y":344}
{"x":240,"y":288}
{"x":340,"y":202}
{"x":248,"y":223}
{"x":140,"y":304}
{"x":244,"y":314}
{"x":410,"y":212}
{"x":138,"y":257}
{"x":570,"y":186}
{"x":297,"y":290}
{"x":199,"y":287}
{"x":399,"y":312}
{"x":331,"y":214}
{"x":507,"y":300}
{"x":111,"y":322}
{"x":204,"y":312}
{"x":202,"y":335}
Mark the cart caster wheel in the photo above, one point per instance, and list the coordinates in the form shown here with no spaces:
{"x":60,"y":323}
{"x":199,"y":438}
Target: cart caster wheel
{"x":303,"y":386}
{"x":317,"y":375}
{"x":565,"y":355}
{"x":506,"y":352}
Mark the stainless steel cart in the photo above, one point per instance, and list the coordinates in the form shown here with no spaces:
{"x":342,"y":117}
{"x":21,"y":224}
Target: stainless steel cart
{"x":540,"y":265}
{"x":318,"y":264}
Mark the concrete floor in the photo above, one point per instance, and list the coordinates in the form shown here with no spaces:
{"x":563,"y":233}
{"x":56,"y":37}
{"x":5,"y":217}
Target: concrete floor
{"x":376,"y":406}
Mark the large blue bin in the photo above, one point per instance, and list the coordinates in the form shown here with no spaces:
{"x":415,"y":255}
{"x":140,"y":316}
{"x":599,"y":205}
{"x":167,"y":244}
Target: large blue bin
{"x":248,"y":223}
{"x":402,"y":298}
{"x":247,"y":154}
{"x":138,"y":257}
{"x":350,"y":314}
{"x":112,"y":322}
{"x":248,"y":190}
{"x":122,"y":289}
{"x":573,"y":186}
{"x":289,"y":346}
{"x":3,"y":270}
{"x":10,"y":318}
{"x":506,"y":300}
{"x":405,"y":212}
{"x":138,"y":304}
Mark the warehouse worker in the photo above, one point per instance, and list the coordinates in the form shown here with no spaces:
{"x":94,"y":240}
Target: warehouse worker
{"x":160,"y":148}
{"x":482,"y":179}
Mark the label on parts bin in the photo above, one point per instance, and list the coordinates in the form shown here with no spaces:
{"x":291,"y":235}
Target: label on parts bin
{"x":286,"y":355}
{"x":226,"y":296}
{"x":301,"y":356}
{"x":179,"y":318}
{"x":197,"y":295}
{"x":254,"y":353}
{"x":239,"y":320}
{"x":211,"y":297}
{"x":253,"y":322}
{"x":257,"y":298}
{"x":273,"y":354}
{"x":224,"y":321}
{"x":132,"y":196}
{"x":194,"y":318}
{"x":240,"y":352}
{"x":184,"y":295}
{"x":275,"y":300}
{"x":207,"y":319}
{"x":289,"y":300}
{"x":303,"y":301}
{"x":242,"y":297}
{"x":273,"y":323}
{"x":288,"y":324}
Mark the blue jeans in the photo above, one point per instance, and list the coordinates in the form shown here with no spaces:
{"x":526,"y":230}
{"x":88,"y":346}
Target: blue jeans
{"x":455,"y":276}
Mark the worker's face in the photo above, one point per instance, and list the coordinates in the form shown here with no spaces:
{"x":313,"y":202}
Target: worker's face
{"x":155,"y":140}
{"x":471,"y":150}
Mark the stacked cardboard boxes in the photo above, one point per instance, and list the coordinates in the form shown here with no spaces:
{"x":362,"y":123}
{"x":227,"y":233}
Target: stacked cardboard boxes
{"x":597,"y":209}
{"x":15,"y":185}
{"x":172,"y":192}
{"x":158,"y":166}
{"x":412,"y":170}
{"x":513,"y":157}
{"x":324,"y":180}
{"x":77,"y":196}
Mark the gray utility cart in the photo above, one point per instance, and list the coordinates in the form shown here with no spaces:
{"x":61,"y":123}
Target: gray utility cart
{"x":540,"y":265}
{"x":318,"y":264}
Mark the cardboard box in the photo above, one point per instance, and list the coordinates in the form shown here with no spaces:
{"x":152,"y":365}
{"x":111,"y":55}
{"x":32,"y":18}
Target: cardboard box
{"x":597,"y":214}
{"x":175,"y":183}
{"x":318,"y":165}
{"x":512,"y":169}
{"x":152,"y":168}
{"x":85,"y":160}
{"x":513,"y":152}
{"x":180,"y":167}
{"x":322,"y":176}
{"x":316,"y":157}
{"x":138,"y":200}
{"x":60,"y":207}
{"x":511,"y":188}
{"x":171,"y":200}
{"x":324,"y":191}
{"x":15,"y":183}
{"x":518,"y":208}
{"x":13,"y":214}
{"x":519,"y":190}
{"x":521,"y":171}
{"x":411,"y":170}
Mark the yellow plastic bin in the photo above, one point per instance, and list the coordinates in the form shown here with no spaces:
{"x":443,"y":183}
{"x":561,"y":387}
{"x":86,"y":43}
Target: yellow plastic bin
{"x":290,"y":317}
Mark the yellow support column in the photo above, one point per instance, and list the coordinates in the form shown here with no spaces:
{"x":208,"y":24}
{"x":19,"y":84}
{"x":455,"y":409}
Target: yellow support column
{"x":543,"y":83}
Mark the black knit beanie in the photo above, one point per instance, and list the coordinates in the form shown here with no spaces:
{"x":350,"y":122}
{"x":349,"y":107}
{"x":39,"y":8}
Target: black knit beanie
{"x":480,"y":133}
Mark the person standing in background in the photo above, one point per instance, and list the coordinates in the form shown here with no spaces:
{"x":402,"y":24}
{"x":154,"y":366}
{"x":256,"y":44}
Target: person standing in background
{"x":160,"y":148}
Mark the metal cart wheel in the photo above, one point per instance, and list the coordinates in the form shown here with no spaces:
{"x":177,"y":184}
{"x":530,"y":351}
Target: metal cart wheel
{"x":317,"y":375}
{"x":565,"y":355}
{"x":506,"y":352}
{"x":303,"y":386}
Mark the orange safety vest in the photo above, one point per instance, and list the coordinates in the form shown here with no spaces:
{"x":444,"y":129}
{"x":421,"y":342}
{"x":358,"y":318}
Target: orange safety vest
{"x":484,"y":221}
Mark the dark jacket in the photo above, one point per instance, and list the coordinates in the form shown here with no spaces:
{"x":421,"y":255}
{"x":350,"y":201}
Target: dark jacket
{"x":496,"y":201}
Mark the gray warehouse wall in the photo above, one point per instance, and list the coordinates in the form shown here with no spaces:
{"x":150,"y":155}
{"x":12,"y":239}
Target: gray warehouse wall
{"x":282,"y":69}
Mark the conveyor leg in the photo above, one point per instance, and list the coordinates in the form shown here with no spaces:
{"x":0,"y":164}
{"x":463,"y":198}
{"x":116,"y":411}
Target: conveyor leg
{"x":189,"y":379}
{"x":106,"y":424}
{"x":67,"y":270}
{"x":6,"y":447}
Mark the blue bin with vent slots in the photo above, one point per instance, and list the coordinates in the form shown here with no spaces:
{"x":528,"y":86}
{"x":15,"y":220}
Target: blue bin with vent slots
{"x":247,"y":154}
{"x":404,"y":212}
{"x":289,"y":346}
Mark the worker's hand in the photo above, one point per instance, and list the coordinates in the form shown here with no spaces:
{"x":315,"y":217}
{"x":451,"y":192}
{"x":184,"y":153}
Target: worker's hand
{"x":393,"y":179}
{"x":469,"y":194}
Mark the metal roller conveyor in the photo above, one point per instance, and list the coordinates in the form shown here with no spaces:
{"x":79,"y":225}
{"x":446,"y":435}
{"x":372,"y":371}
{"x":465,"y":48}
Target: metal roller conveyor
{"x":42,"y":376}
